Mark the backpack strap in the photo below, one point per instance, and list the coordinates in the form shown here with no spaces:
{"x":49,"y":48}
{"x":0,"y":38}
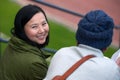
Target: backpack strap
{"x":73,"y":68}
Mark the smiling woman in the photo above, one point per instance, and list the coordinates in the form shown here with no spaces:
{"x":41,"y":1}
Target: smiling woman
{"x":23,"y":58}
{"x":37,"y":28}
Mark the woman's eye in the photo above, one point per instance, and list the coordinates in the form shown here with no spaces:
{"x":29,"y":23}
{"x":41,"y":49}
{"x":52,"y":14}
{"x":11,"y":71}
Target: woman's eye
{"x":44,"y":24}
{"x":34,"y":26}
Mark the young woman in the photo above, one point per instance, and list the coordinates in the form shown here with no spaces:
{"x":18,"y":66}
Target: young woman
{"x":23,"y":58}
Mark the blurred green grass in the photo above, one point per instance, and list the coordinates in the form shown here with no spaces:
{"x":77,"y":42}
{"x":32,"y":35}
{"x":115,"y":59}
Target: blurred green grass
{"x":7,"y":14}
{"x":60,"y":36}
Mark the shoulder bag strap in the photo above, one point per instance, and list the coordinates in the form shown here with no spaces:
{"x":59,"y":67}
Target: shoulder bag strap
{"x":73,"y":68}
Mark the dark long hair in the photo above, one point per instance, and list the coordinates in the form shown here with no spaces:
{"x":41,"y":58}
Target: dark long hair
{"x":21,"y":18}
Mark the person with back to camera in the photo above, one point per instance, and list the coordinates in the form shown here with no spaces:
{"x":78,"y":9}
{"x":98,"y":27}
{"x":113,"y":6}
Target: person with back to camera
{"x":116,"y":57}
{"x":24,"y":58}
{"x":94,"y":35}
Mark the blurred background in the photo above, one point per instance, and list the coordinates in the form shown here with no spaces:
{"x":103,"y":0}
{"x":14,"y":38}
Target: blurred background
{"x":63,"y":16}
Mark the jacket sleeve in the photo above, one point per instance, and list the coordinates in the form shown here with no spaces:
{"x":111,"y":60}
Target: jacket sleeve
{"x":38,"y":70}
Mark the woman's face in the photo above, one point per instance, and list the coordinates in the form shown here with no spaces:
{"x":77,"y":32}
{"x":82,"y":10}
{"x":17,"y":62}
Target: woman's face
{"x":37,"y":28}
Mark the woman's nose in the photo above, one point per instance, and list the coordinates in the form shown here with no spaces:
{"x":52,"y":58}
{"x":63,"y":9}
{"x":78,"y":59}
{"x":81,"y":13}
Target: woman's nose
{"x":40,"y":30}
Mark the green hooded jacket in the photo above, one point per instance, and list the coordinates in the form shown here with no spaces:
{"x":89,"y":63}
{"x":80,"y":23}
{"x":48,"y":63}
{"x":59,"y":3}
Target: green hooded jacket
{"x":22,"y":61}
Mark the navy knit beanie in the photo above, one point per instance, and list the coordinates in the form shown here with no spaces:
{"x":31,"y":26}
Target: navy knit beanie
{"x":95,"y":30}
